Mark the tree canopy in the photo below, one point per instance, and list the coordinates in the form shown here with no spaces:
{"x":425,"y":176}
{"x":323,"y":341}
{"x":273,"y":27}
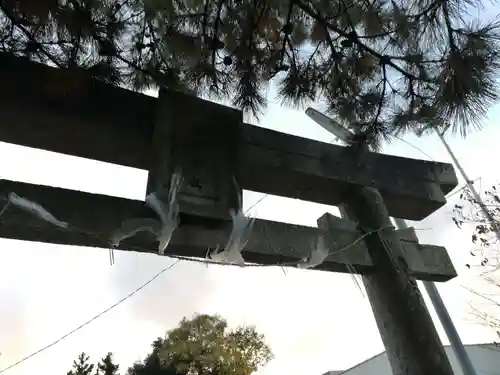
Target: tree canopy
{"x":81,"y":366}
{"x":381,"y":66}
{"x":106,"y":366}
{"x":198,"y":346}
{"x":204,"y":345}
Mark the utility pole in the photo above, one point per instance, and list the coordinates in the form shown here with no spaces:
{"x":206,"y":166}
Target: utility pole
{"x":440,"y":308}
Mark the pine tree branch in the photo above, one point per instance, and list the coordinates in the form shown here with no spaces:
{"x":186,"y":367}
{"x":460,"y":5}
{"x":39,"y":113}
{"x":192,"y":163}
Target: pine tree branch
{"x":382,"y":58}
{"x":313,"y":54}
{"x":119,"y":6}
{"x":434,"y":5}
{"x":157,"y":43}
{"x":134,"y":15}
{"x":408,"y":59}
{"x":30,"y":36}
{"x":285,"y":36}
{"x":205,"y":21}
{"x":354,"y":34}
{"x":449,"y":28}
{"x":216,"y":29}
{"x":335,"y":53}
{"x":189,"y":15}
{"x":375,"y":36}
{"x":382,"y":97}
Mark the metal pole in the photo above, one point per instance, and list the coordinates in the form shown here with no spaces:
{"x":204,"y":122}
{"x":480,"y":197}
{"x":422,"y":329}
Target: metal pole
{"x":445,"y":319}
{"x":470,"y":185}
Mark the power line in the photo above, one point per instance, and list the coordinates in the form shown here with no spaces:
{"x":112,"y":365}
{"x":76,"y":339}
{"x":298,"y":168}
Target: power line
{"x":415,"y":147}
{"x":430,"y":157}
{"x":258,"y":265}
{"x":179,"y":258}
{"x":256,"y":203}
{"x":90,"y":320}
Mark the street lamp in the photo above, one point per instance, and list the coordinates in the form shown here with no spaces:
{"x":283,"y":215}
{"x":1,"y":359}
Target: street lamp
{"x":330,"y":125}
{"x":465,"y":363}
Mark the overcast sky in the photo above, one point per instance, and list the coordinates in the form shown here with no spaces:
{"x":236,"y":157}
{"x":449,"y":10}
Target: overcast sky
{"x":314,"y":321}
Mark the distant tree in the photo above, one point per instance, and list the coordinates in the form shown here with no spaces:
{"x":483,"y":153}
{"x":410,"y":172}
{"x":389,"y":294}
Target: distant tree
{"x":204,"y":345}
{"x":381,"y":66}
{"x":81,"y":366}
{"x":152,"y":364}
{"x":106,"y":366}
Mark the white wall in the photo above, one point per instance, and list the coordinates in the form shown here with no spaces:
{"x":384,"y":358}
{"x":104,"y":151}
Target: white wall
{"x":485,"y":358}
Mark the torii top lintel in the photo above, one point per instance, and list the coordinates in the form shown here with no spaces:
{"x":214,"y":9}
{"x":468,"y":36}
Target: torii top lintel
{"x":66,"y":112}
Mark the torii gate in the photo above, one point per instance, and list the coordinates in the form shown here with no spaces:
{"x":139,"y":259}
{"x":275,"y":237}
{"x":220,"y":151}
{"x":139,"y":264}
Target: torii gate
{"x":69,"y":113}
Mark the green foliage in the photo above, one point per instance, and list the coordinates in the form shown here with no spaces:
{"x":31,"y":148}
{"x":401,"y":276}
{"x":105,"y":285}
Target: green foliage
{"x":382,"y":66}
{"x":81,"y":366}
{"x":152,"y":364}
{"x":107,"y":367}
{"x":197,"y":346}
{"x":204,"y":345}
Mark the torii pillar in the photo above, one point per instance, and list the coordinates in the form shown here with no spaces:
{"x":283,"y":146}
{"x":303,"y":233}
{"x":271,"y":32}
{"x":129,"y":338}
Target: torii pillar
{"x":408,"y":333}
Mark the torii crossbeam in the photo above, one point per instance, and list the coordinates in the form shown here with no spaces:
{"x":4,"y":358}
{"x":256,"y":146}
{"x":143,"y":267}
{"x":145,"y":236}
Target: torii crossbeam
{"x":68,"y":112}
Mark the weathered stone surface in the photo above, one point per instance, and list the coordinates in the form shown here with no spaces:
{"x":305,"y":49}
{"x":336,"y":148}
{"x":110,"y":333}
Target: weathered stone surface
{"x":421,"y":259}
{"x":291,"y":166}
{"x":199,"y":139}
{"x":94,"y":217}
{"x":43,"y":109}
{"x":411,"y":341}
{"x":89,"y":119}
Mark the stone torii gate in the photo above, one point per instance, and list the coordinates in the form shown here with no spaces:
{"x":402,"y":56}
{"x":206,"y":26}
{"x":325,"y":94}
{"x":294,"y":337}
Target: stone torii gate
{"x":67,"y":112}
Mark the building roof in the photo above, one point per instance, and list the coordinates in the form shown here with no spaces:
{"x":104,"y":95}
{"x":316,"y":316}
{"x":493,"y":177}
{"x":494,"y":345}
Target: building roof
{"x":382,"y":353}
